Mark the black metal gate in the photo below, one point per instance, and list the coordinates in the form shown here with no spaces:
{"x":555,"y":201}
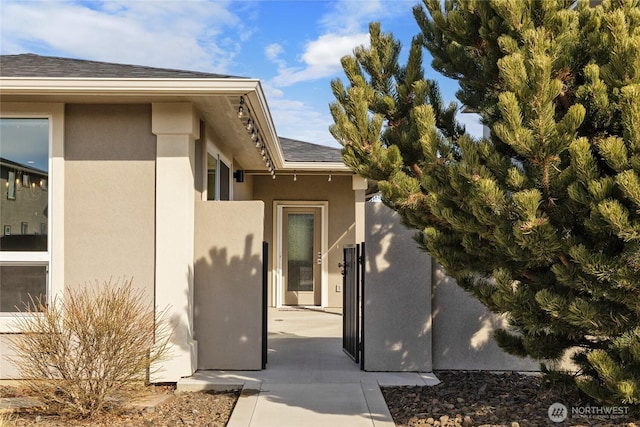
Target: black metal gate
{"x":265,"y":272}
{"x":353,"y":303}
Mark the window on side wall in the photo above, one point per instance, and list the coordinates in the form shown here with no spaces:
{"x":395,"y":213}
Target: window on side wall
{"x":218,"y":178}
{"x":24,"y":172}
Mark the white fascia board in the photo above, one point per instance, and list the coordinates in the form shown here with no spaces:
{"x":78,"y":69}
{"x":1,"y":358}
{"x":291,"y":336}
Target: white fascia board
{"x":258,"y":102}
{"x":33,"y":85}
{"x":316,"y":166}
{"x":250,"y":88}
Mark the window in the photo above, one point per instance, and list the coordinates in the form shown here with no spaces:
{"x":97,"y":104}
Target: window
{"x":218,"y":178}
{"x":24,"y":166}
{"x":212,"y":170}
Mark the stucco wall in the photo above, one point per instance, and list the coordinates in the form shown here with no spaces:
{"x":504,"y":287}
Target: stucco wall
{"x":340,"y":196}
{"x":397,"y":296}
{"x":109,"y":194}
{"x":243,"y":190}
{"x":228,"y":284}
{"x":463,"y":331}
{"x":417,"y":317}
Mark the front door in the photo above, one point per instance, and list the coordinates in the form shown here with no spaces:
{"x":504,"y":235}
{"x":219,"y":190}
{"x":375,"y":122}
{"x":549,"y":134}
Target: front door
{"x":302,"y":256}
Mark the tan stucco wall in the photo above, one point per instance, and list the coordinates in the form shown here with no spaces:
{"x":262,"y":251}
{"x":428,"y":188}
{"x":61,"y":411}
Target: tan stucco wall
{"x":340,"y":196}
{"x":418,"y":317}
{"x":243,"y":190}
{"x":109,"y":194}
{"x":463,"y":331}
{"x":7,"y":356}
{"x":228,"y":284}
{"x":397,"y":316}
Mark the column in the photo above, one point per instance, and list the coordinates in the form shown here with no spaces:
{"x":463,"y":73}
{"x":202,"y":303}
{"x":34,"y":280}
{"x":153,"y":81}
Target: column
{"x":176,"y":126}
{"x":359,"y":186}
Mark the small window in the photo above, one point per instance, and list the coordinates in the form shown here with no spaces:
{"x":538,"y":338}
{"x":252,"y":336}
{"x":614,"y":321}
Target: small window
{"x":11,"y":185}
{"x":225,"y":187}
{"x":218,"y":178}
{"x":24,"y":228}
{"x":7,"y":230}
{"x":212,"y":168}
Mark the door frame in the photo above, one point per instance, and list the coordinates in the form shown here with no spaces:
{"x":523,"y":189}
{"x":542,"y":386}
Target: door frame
{"x":278,"y":222}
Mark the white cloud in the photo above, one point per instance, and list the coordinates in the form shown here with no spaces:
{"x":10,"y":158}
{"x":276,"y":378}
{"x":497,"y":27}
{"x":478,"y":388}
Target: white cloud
{"x":343,"y":28}
{"x":273,"y":51}
{"x":327,"y":50}
{"x":348,"y":16}
{"x":299,"y":119}
{"x":321,"y":59}
{"x":195,"y":35}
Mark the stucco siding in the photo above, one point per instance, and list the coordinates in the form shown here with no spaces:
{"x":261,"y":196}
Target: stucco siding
{"x":228,"y":284}
{"x":397,"y":317}
{"x":341,"y":216}
{"x":463,"y":331}
{"x":109,"y":195}
{"x":417,"y":317}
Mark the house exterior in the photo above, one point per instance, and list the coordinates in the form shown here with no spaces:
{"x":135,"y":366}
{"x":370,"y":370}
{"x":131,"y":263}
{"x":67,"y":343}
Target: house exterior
{"x":175,"y":179}
{"x":178,"y":180}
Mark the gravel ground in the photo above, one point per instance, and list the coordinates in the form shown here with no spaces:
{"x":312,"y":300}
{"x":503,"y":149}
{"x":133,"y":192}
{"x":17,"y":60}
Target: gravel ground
{"x":489,"y":400}
{"x":462,"y":399}
{"x":198,"y":409}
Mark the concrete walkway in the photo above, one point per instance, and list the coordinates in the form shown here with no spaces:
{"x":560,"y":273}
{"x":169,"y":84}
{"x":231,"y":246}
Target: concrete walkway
{"x":309,"y":381}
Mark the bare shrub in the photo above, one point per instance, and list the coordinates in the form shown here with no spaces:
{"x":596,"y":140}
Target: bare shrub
{"x":6,"y":419}
{"x":88,"y":351}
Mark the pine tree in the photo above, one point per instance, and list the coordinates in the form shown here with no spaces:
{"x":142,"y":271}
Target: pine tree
{"x":540,"y":221}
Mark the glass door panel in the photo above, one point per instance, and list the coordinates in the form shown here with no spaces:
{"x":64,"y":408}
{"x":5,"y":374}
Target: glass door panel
{"x":300,"y":252}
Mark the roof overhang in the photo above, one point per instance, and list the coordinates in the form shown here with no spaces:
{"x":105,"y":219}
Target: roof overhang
{"x":210,"y":96}
{"x":213,"y":97}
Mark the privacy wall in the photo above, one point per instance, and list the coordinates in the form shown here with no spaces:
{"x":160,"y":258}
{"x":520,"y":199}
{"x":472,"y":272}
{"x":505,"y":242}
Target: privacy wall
{"x":416,"y":317}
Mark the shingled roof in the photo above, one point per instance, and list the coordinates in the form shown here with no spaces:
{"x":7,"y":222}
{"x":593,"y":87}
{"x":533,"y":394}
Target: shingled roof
{"x":300,"y":151}
{"x":31,"y":65}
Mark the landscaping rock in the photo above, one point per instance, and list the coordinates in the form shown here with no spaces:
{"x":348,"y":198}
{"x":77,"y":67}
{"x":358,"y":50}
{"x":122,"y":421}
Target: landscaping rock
{"x":488,"y":400}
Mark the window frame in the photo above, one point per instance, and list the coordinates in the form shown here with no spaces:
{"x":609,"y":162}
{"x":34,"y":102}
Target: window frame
{"x":214,"y":152}
{"x":54,"y":113}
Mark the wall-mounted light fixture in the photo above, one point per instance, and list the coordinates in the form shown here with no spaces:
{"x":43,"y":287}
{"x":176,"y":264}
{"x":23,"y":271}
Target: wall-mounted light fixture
{"x":239,"y":175}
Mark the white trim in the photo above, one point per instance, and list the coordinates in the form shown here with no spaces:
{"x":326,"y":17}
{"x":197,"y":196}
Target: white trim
{"x":277,"y":282}
{"x":54,"y":256}
{"x":76,"y":85}
{"x":316,"y":166}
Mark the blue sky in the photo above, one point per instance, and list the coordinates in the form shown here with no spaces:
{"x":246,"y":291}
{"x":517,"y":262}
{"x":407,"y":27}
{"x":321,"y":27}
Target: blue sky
{"x":293,"y":47}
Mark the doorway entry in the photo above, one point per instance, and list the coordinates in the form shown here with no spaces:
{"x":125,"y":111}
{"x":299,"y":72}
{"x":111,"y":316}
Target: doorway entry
{"x":302,"y":257}
{"x":301,"y":269}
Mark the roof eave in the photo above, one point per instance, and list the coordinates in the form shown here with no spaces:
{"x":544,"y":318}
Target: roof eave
{"x":316,"y":166}
{"x":121,"y":86}
{"x":229,"y":86}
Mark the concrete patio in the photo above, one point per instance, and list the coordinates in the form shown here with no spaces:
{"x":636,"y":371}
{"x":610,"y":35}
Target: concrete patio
{"x":309,"y":380}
